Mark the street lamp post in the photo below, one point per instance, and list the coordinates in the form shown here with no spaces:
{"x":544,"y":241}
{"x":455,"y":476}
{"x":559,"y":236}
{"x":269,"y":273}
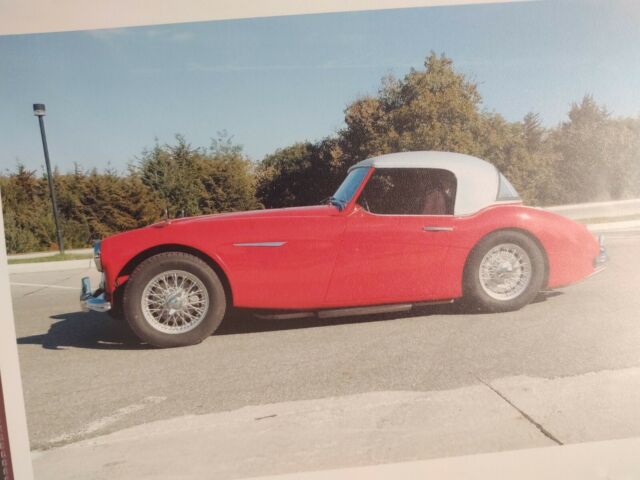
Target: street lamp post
{"x":39,"y":111}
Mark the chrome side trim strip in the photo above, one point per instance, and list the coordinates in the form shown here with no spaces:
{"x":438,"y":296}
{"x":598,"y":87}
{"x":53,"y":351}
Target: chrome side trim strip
{"x":260,"y":244}
{"x":437,"y":229}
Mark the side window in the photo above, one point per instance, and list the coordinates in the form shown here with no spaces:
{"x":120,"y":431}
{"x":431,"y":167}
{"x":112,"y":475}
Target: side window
{"x":506,"y":191}
{"x":409,"y":191}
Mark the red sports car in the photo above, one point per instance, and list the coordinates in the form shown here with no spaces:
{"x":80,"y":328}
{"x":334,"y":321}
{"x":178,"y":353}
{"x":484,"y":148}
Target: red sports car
{"x":402,"y":229}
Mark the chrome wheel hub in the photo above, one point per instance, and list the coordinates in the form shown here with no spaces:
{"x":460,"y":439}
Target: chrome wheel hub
{"x":175,"y":302}
{"x":505,"y":271}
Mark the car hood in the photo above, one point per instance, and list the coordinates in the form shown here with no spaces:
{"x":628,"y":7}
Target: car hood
{"x":292,"y":212}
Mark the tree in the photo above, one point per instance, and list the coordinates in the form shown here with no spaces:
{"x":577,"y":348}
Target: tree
{"x":192,"y":181}
{"x":104,"y":204}
{"x":432,"y":109}
{"x":623,"y":158}
{"x":302,"y":174}
{"x":589,"y":157}
{"x":581,"y":145}
{"x":174,"y":172}
{"x":229,"y":178}
{"x":27,"y":213}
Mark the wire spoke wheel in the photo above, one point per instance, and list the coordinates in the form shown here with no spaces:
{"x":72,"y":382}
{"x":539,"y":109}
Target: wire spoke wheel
{"x":174,"y":302}
{"x":505,"y":271}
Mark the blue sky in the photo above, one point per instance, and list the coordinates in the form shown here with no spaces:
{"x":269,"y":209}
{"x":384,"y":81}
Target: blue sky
{"x":270,"y":82}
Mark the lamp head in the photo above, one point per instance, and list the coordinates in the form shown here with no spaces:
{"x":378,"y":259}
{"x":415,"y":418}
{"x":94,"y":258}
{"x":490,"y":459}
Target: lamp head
{"x":39,"y":110}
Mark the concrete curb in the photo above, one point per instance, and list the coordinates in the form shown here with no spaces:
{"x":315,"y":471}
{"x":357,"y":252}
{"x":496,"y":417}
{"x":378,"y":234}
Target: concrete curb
{"x":484,"y":425}
{"x":87,"y":264}
{"x":612,"y":209}
{"x":78,"y":251}
{"x":595,"y":460}
{"x":625,"y":226}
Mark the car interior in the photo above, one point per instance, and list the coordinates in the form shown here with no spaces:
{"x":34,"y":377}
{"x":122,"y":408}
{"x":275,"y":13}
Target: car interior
{"x":404,"y":191}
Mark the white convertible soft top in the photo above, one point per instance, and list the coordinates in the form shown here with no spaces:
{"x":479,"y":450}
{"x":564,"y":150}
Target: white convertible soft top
{"x":479,"y":183}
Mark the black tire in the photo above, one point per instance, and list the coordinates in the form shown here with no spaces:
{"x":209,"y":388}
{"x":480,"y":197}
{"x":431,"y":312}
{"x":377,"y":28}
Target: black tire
{"x":483,"y":296}
{"x":165,"y":262}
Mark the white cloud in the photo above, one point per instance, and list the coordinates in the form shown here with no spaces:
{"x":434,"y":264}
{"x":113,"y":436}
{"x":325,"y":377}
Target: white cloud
{"x":182,"y":36}
{"x":156,"y":34}
{"x":330,"y":65}
{"x":169,"y":35}
{"x":108,"y":33}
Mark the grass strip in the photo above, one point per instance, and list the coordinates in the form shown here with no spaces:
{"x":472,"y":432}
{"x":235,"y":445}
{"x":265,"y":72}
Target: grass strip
{"x":52,"y":258}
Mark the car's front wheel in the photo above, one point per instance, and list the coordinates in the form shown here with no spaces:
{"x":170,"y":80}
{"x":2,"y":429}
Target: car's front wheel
{"x":505,"y":271}
{"x":174,"y":299}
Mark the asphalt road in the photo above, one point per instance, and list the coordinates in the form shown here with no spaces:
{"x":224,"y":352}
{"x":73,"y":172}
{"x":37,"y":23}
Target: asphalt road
{"x":84,"y":377}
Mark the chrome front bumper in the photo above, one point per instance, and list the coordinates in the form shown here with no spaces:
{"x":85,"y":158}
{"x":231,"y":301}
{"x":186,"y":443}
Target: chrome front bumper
{"x":95,"y":301}
{"x":600,"y":262}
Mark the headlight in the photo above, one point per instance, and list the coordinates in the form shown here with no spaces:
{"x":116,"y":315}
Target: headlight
{"x":96,"y":255}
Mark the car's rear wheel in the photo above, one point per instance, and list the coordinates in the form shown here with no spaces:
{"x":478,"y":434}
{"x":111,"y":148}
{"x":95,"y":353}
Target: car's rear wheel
{"x":505,"y":271}
{"x":174,"y":299}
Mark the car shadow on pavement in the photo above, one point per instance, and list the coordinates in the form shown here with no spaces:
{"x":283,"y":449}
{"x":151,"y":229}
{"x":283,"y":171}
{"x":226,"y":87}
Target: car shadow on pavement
{"x":85,"y":330}
{"x":544,"y":296}
{"x":98,"y":331}
{"x":244,"y":321}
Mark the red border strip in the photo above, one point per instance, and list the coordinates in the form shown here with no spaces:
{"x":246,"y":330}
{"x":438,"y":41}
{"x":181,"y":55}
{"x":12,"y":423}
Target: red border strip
{"x":6,"y":472}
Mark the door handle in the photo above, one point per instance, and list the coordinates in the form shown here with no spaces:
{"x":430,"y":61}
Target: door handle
{"x":437,"y":229}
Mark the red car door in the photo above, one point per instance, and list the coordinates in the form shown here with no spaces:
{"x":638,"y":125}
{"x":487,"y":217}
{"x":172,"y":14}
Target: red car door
{"x":396,"y":239}
{"x":390,"y":259}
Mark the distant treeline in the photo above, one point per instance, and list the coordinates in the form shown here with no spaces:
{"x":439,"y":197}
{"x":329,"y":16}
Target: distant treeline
{"x":589,"y":157}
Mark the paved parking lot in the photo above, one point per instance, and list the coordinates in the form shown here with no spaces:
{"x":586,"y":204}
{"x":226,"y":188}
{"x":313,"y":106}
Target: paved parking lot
{"x":84,"y":377}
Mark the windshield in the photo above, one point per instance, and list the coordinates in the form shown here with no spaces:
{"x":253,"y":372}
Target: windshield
{"x":349,"y":186}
